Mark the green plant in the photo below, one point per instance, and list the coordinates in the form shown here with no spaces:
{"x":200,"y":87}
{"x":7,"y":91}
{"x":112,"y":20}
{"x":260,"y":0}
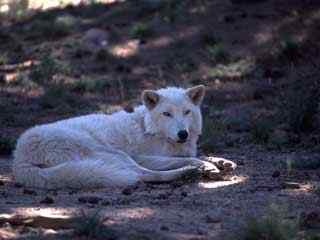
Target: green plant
{"x":3,"y":59}
{"x":7,"y":145}
{"x":171,"y":11}
{"x":301,"y":163}
{"x":52,"y":28}
{"x":272,"y":226}
{"x":43,"y":73}
{"x":185,"y":65}
{"x":209,"y":39}
{"x":260,"y":130}
{"x":301,"y":104}
{"x":140,"y":30}
{"x":217,"y":52}
{"x":91,"y":85}
{"x":91,"y":226}
{"x":66,"y":22}
{"x":212,"y":133}
{"x":289,"y":48}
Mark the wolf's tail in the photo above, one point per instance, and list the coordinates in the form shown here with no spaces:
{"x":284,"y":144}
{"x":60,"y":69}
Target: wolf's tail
{"x":91,"y":174}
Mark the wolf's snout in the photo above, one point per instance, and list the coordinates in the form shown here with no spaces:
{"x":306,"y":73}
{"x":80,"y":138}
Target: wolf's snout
{"x":183,"y":135}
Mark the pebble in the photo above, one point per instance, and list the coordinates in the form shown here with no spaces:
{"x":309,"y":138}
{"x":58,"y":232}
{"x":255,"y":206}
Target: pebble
{"x":276,"y":174}
{"x":18,"y":185}
{"x":29,"y":192}
{"x":212,"y":219}
{"x":184,"y":194}
{"x":127,"y":191}
{"x":89,"y":199}
{"x":47,"y":200}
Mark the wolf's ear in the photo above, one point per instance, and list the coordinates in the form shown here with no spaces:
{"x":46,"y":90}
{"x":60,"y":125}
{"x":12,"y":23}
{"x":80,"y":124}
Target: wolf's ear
{"x":150,"y":98}
{"x":196,"y":94}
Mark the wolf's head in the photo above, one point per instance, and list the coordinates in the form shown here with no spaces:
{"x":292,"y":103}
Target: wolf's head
{"x":174,"y":112}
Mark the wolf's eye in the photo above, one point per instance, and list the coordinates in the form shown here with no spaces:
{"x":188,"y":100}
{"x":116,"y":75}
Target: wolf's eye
{"x":167,"y":114}
{"x":187,"y":112}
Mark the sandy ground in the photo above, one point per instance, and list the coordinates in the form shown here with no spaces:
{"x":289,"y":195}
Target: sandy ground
{"x":196,"y":210}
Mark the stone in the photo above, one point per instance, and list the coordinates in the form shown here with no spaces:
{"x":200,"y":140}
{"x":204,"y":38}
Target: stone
{"x":47,"y":200}
{"x":89,"y":199}
{"x":276,"y":174}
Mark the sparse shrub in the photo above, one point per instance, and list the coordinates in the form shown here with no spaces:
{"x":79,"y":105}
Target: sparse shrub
{"x":313,"y":236}
{"x":7,"y":145}
{"x":91,"y":85}
{"x":58,"y":97}
{"x":273,"y":226}
{"x":260,"y":130}
{"x":217,"y":52}
{"x":43,"y":73}
{"x":171,"y":11}
{"x":210,"y":39}
{"x":52,"y":96}
{"x":301,"y":105}
{"x":278,"y":139}
{"x":213,"y":134}
{"x":52,"y":28}
{"x":289,"y":48}
{"x":317,"y":191}
{"x":140,"y":30}
{"x":3,"y":59}
{"x":66,"y":21}
{"x":185,"y":65}
{"x":303,"y":163}
{"x":237,"y":69}
{"x":91,"y":226}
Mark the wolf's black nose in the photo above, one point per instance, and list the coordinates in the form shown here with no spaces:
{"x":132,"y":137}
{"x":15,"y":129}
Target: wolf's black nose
{"x":183,"y":135}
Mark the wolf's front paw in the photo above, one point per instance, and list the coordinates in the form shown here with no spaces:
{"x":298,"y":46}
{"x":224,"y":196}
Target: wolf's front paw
{"x":195,"y":162}
{"x":210,"y":171}
{"x":224,"y":165}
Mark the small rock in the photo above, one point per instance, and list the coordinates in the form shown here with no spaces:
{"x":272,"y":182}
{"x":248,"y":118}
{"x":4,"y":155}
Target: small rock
{"x":124,"y":202}
{"x":184,"y":194}
{"x":310,"y":219}
{"x":291,"y":185}
{"x":240,"y":163}
{"x":47,"y":200}
{"x":89,"y":199}
{"x":29,"y":192}
{"x":127,"y":191}
{"x":273,"y":73}
{"x":18,"y":185}
{"x":106,"y":203}
{"x":276,"y":174}
{"x":212,"y":219}
{"x":177,"y":184}
{"x":229,"y":19}
{"x":164,"y":228}
{"x":162,"y":196}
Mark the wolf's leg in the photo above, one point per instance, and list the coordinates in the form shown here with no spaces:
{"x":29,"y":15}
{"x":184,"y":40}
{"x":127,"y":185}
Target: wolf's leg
{"x":166,"y":163}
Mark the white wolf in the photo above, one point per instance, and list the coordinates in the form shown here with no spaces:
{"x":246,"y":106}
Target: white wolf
{"x":156,"y":142}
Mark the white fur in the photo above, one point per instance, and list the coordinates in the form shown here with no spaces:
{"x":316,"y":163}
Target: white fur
{"x":121,"y":149}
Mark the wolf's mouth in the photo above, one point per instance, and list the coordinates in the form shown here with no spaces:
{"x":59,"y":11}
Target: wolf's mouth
{"x":181,"y":141}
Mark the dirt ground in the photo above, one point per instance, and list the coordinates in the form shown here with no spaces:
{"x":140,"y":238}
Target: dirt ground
{"x":197,"y":210}
{"x":260,"y":62}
